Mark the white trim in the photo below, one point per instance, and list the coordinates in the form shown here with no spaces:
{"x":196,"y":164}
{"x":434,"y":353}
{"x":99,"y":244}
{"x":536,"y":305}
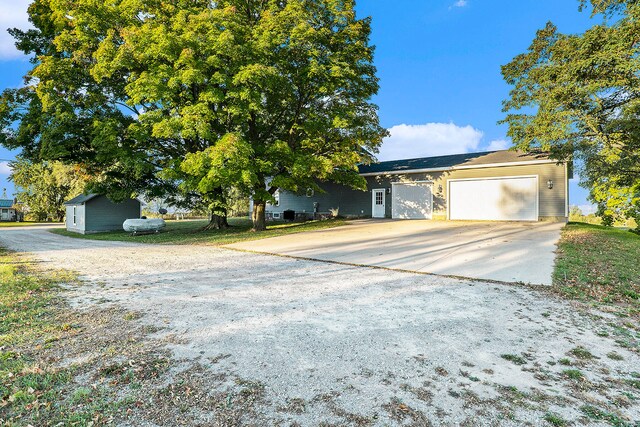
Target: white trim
{"x":566,"y":190}
{"x":410,"y":183}
{"x":452,"y":168}
{"x":422,"y":181}
{"x":493,"y":178}
{"x":75,"y":216}
{"x":373,"y":201}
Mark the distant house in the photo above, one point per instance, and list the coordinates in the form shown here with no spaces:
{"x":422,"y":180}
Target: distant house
{"x":93,"y":213}
{"x":8,"y":212}
{"x":495,"y":185}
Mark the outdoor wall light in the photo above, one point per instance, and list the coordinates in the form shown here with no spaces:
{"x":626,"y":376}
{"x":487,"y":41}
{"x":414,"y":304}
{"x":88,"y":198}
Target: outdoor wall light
{"x":550,"y":184}
{"x":388,"y":190}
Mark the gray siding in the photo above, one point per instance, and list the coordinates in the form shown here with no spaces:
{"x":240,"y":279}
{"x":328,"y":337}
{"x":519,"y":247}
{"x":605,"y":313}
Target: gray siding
{"x":350,"y":202}
{"x":101,"y":214}
{"x":552,"y":202}
{"x":79,"y":226}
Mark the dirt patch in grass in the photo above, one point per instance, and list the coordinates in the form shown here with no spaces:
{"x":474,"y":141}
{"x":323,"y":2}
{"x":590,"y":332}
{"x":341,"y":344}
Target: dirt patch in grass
{"x":596,"y":263}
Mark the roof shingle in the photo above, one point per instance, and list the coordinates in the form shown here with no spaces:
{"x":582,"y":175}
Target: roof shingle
{"x":453,"y":160}
{"x":82,"y":198}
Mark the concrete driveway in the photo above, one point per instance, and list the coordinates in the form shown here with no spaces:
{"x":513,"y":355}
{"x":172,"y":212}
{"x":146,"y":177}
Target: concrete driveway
{"x":502,"y":251}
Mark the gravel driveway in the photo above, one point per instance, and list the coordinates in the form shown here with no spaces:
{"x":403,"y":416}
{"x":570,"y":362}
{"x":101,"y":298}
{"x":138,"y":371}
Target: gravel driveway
{"x":357,"y":346}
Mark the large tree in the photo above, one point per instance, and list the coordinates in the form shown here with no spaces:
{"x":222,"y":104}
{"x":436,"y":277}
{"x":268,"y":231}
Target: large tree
{"x":252,"y":95}
{"x":44,"y":187}
{"x":63,"y":114}
{"x":578,"y":96}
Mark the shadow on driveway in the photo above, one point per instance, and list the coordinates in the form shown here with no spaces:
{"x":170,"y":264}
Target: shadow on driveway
{"x":502,"y":251}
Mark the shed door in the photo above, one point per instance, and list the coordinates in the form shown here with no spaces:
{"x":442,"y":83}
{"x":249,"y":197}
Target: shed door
{"x":500,"y":199}
{"x":412,"y":200}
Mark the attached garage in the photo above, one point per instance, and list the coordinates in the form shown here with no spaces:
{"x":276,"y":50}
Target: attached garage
{"x":412,"y":200}
{"x":500,"y":199}
{"x":505,"y":185}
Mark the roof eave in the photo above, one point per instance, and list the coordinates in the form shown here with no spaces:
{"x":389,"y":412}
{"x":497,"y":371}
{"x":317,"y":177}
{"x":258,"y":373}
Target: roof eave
{"x":459,"y":167}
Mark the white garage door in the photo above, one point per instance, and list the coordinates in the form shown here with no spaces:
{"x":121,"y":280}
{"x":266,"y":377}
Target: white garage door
{"x":505,"y":199}
{"x":412,"y":200}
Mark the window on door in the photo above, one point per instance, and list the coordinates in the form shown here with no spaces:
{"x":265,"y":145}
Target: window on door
{"x":379,"y":198}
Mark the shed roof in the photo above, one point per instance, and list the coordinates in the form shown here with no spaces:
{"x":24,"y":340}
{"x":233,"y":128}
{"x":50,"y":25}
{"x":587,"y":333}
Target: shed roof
{"x":6,"y":203}
{"x":81,"y":199}
{"x":453,"y":161}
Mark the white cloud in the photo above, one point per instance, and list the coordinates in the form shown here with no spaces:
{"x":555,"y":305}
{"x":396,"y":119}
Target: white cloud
{"x":431,"y":139}
{"x":4,"y":168}
{"x":499,"y":144}
{"x":13,"y":14}
{"x":459,"y":3}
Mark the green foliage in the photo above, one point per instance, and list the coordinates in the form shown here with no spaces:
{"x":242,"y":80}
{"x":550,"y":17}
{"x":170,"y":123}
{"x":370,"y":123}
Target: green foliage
{"x":581,"y":353}
{"x":578,"y":96}
{"x":514,"y":358}
{"x":555,"y":419}
{"x":573,"y":374}
{"x":194,"y":99}
{"x":63,"y":114}
{"x":564,"y":361}
{"x":44,"y":187}
{"x":213,"y":171}
{"x":600,"y":414}
{"x":576,"y":215}
{"x":614,"y":356}
{"x":238,"y":203}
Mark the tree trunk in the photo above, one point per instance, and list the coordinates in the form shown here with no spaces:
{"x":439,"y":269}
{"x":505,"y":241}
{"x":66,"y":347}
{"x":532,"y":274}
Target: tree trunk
{"x":217,"y":222}
{"x":257,"y":216}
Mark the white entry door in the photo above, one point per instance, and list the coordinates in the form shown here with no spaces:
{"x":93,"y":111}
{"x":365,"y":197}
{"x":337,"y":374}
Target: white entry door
{"x":498,"y":199}
{"x":378,"y":203}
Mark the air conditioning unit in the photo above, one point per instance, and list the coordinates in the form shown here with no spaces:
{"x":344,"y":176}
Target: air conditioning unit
{"x":276,"y":215}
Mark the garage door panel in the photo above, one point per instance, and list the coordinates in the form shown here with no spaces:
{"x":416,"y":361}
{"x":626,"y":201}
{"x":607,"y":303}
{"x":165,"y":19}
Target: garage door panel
{"x":507,"y":199}
{"x":412,"y":201}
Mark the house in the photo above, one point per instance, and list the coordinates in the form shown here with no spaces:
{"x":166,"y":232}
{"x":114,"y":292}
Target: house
{"x":496,"y":185}
{"x":93,"y":213}
{"x":8,"y":211}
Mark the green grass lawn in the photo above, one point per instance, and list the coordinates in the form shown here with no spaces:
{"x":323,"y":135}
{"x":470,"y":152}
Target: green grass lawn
{"x":66,"y":367}
{"x":599,"y":264}
{"x":190,"y":232}
{"x":9,"y":224}
{"x":33,"y":392}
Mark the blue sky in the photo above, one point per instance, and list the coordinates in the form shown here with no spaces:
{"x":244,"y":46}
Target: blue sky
{"x":438,"y":62}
